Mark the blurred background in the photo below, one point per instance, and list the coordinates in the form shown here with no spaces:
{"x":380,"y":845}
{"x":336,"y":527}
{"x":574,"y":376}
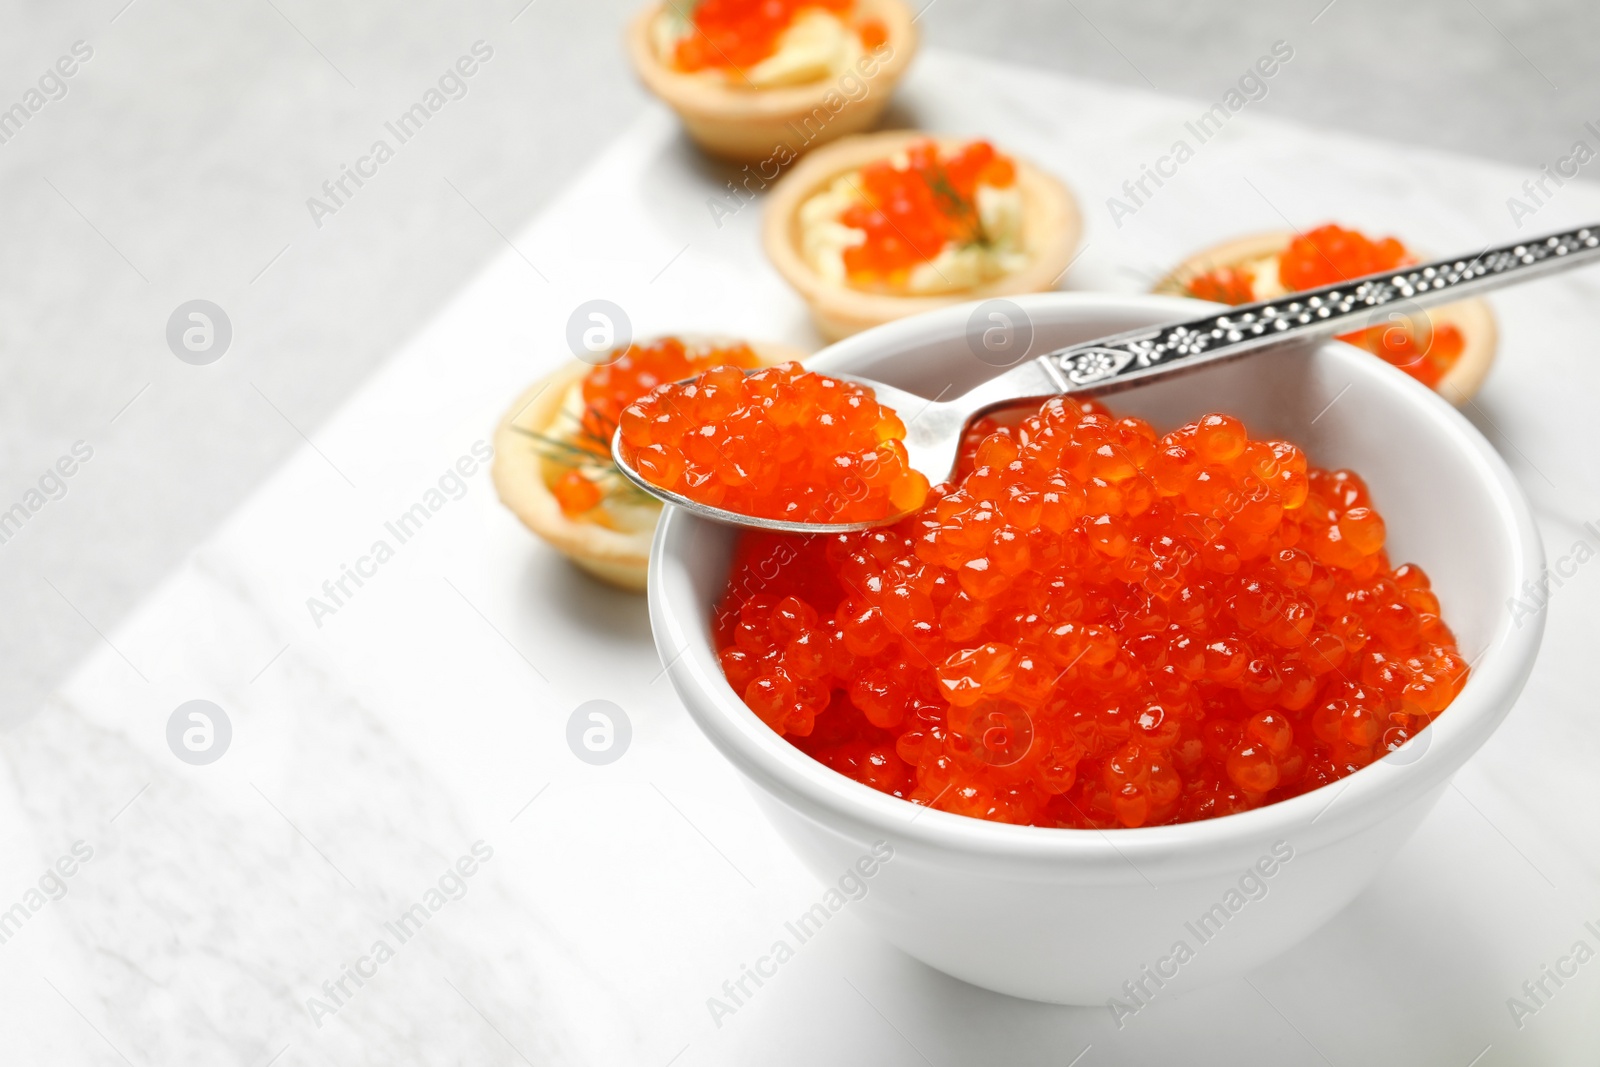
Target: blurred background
{"x":177,"y":164}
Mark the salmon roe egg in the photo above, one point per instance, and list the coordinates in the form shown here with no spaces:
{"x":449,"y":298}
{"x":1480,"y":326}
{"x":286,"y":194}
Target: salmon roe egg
{"x":1331,"y":254}
{"x":574,"y":493}
{"x":780,"y":443}
{"x":1097,"y":626}
{"x":741,"y":33}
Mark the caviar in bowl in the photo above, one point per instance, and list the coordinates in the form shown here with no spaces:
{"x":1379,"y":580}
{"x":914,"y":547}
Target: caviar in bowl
{"x":1069,"y":915}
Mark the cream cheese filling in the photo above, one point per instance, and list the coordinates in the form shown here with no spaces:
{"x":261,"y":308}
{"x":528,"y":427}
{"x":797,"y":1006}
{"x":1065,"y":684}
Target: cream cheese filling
{"x":1264,"y":281}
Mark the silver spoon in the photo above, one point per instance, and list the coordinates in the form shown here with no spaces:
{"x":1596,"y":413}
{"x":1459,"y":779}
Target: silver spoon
{"x":933,"y":438}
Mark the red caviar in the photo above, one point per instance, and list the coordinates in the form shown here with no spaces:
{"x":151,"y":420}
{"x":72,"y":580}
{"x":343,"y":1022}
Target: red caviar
{"x":741,"y":33}
{"x":575,"y":493}
{"x":782,"y":443}
{"x":1225,"y":285}
{"x":1097,"y":626}
{"x":612,"y":386}
{"x":910,"y":214}
{"x":1330,"y":254}
{"x":1426,"y":356}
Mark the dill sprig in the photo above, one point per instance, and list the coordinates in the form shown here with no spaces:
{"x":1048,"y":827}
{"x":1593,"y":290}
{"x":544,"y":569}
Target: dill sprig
{"x":956,"y":206}
{"x":586,"y":448}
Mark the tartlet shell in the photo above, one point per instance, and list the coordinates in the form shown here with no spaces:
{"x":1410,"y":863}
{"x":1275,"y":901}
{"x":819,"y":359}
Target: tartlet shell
{"x":613,"y":556}
{"x":1472,"y":316}
{"x":1050,"y":219}
{"x":749,"y":125}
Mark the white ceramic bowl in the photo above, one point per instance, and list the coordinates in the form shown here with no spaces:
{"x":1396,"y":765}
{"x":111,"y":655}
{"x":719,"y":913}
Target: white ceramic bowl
{"x":1077,"y":916}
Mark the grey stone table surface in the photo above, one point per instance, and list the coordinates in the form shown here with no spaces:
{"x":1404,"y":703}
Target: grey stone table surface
{"x":176,"y":161}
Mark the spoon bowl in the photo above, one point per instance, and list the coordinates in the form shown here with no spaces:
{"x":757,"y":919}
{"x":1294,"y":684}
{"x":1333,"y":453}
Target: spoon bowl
{"x":932,"y":442}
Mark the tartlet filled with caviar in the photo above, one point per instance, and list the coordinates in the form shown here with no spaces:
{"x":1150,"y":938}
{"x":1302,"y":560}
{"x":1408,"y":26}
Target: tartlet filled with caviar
{"x":1096,"y":625}
{"x":552,"y":462}
{"x":1448,"y":348}
{"x":885,"y":225}
{"x":763,"y":81}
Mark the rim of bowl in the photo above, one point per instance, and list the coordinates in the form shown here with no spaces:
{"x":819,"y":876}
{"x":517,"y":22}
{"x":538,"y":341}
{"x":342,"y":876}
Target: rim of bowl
{"x":1365,"y":797}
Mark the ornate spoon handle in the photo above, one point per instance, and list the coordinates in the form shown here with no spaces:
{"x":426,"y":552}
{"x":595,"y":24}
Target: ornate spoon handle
{"x":1332,"y":309}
